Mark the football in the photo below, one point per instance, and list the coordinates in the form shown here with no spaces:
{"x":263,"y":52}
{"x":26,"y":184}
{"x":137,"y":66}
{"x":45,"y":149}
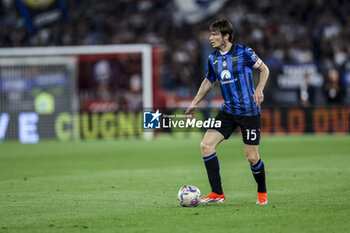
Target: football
{"x":189,"y":196}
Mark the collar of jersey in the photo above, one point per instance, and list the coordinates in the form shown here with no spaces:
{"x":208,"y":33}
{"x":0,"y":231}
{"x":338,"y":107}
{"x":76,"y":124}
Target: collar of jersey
{"x":229,"y":52}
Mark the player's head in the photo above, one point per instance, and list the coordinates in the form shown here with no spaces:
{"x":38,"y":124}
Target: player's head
{"x":224,"y":28}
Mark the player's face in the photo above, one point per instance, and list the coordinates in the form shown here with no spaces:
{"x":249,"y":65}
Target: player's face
{"x":216,"y":39}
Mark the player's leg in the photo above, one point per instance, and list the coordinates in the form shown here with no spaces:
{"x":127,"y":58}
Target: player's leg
{"x":252,"y":153}
{"x":211,"y":140}
{"x":250,"y":127}
{"x":258,"y":171}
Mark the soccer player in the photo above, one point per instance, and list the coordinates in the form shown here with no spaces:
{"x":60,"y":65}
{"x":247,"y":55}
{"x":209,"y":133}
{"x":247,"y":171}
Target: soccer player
{"x":231,"y":66}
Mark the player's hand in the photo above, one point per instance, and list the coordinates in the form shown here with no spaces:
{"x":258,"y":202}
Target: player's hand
{"x":190,"y":112}
{"x":258,"y":97}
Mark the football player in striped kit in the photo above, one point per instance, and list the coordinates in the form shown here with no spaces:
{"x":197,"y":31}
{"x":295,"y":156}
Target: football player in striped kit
{"x":231,"y":66}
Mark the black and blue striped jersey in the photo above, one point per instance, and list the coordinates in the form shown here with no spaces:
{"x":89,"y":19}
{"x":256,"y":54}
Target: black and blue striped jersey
{"x":233,"y":71}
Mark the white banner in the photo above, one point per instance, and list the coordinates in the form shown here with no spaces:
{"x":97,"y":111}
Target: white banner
{"x":292,"y":75}
{"x":193,"y":11}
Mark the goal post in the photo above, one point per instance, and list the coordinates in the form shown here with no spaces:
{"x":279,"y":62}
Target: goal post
{"x":144,"y":49}
{"x":77,"y":58}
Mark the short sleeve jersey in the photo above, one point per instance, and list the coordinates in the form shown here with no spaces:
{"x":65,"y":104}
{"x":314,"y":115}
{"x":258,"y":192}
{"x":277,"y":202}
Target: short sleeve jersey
{"x":233,"y":71}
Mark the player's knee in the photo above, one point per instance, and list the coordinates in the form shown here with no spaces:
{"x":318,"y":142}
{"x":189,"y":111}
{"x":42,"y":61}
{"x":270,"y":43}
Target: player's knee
{"x":252,"y":158}
{"x":206,"y":148}
{"x":252,"y":154}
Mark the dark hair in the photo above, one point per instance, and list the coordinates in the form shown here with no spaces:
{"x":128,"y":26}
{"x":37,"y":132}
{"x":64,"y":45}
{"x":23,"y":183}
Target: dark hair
{"x":224,"y":27}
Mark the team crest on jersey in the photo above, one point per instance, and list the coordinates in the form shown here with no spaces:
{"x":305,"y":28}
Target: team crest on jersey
{"x":225,"y":74}
{"x":224,"y":64}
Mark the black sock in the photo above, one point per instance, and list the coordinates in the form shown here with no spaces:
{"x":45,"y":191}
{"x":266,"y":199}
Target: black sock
{"x":213,"y":170}
{"x":258,"y":171}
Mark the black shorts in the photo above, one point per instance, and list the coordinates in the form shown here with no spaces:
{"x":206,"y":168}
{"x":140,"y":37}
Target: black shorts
{"x":250,"y":126}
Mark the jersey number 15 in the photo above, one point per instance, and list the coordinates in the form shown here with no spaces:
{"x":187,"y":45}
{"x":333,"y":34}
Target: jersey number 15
{"x":251,"y":134}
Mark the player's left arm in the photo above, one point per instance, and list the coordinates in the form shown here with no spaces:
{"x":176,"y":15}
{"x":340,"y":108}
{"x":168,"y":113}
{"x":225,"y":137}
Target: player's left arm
{"x":264,"y":75}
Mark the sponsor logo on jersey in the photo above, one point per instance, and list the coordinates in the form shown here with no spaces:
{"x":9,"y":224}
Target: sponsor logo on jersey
{"x":225,"y":75}
{"x":253,"y":56}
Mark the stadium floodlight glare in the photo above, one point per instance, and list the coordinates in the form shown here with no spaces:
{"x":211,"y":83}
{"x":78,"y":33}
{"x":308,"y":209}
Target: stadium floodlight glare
{"x":43,"y":55}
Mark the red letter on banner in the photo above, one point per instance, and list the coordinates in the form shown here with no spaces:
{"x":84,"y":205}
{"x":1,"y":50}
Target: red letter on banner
{"x":321,"y":121}
{"x":296,"y":121}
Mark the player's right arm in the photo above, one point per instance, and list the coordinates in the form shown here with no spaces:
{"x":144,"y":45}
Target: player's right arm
{"x":205,"y":87}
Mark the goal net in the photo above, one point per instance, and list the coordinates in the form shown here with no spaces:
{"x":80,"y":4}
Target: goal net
{"x":66,"y":93}
{"x":33,"y":87}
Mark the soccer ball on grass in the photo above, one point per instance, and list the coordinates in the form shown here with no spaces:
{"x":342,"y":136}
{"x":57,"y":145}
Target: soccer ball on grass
{"x":189,"y":196}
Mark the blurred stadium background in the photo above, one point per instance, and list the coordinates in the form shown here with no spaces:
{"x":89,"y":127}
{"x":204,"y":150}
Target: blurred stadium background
{"x":76,"y":70}
{"x":305,"y":45}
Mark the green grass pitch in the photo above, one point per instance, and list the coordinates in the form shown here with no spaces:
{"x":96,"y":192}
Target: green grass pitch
{"x":131,"y":186}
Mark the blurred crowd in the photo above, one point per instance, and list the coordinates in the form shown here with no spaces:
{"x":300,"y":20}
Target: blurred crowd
{"x":279,"y":31}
